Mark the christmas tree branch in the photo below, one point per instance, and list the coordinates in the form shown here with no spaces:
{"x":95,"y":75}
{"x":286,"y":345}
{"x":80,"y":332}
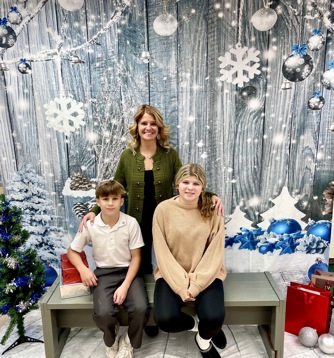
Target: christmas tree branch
{"x":9,"y":330}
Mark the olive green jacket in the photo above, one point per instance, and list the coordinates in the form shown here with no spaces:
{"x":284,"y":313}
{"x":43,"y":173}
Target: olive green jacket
{"x":130,"y":173}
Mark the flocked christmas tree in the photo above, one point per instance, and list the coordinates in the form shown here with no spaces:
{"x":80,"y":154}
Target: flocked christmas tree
{"x":22,"y":278}
{"x":27,"y":191}
{"x":284,"y":208}
{"x":237,"y":220}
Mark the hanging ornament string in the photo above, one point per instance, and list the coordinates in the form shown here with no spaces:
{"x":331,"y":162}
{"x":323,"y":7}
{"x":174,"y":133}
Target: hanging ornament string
{"x":240,"y":22}
{"x":240,"y":61}
{"x":165,"y":6}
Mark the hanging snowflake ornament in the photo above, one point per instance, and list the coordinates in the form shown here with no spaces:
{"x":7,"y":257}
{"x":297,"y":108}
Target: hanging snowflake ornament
{"x":64,"y":114}
{"x":316,"y":41}
{"x":327,"y":79}
{"x":298,"y":66}
{"x":237,"y":62}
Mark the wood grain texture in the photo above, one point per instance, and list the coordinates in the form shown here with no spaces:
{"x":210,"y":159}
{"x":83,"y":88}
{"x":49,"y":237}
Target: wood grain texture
{"x":250,"y":154}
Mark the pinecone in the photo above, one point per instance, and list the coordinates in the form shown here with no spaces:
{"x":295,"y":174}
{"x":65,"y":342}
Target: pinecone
{"x":328,"y":195}
{"x":80,"y":182}
{"x":80,"y":210}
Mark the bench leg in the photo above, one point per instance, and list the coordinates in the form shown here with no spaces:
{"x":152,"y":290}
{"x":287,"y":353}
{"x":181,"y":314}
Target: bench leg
{"x":265,"y":335}
{"x":54,"y":338}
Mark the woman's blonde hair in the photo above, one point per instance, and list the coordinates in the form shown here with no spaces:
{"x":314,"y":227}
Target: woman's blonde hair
{"x":204,"y":201}
{"x":163,"y":135}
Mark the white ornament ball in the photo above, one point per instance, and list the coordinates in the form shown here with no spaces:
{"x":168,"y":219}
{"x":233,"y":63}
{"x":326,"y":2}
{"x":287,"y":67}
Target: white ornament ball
{"x":315,"y":42}
{"x":327,"y":79}
{"x":14,"y":17}
{"x":71,"y":5}
{"x":165,"y":25}
{"x":308,"y":336}
{"x":326,"y":343}
{"x":264,"y":19}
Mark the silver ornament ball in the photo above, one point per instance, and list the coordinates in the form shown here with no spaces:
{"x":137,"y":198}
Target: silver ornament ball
{"x":326,"y":343}
{"x":248,"y":92}
{"x":297,"y":68}
{"x":315,"y":42}
{"x":165,"y":25}
{"x":71,"y":5}
{"x":308,"y":336}
{"x":24,"y":68}
{"x":316,"y":103}
{"x":327,"y":79}
{"x":15,"y":18}
{"x":7,"y":37}
{"x":264,"y":19}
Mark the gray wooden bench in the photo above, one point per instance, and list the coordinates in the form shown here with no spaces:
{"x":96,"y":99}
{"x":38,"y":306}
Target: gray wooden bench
{"x":250,"y":298}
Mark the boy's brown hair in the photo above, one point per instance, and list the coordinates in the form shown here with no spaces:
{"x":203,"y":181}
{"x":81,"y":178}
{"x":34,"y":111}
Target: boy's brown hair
{"x":109,"y":187}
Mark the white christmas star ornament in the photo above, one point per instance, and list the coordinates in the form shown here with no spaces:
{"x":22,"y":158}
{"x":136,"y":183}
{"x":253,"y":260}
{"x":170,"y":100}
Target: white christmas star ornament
{"x":238,"y":61}
{"x":64,"y":114}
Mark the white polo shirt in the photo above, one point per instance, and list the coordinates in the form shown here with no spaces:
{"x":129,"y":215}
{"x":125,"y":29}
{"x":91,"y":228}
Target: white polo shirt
{"x":111,"y":246}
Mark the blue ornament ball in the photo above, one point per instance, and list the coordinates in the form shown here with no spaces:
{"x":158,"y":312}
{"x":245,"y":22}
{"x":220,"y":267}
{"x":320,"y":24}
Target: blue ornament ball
{"x":322,"y":229}
{"x":319,"y":265}
{"x":284,"y":226}
{"x":50,"y":275}
{"x":265,"y":248}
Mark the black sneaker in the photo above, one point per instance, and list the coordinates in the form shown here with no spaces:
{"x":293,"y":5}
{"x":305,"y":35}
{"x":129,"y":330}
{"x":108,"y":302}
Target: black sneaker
{"x":219,"y":340}
{"x":151,"y":331}
{"x":211,"y":352}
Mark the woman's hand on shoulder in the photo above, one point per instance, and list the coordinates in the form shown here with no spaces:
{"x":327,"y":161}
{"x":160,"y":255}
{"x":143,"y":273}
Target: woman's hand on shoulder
{"x":218,"y":204}
{"x":90,"y":216}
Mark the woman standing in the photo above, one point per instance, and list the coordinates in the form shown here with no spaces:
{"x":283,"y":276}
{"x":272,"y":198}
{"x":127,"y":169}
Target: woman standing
{"x":147,"y":170}
{"x":189,"y":240}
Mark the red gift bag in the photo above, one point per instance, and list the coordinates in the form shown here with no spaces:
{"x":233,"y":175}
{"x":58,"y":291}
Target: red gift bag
{"x":69,"y":273}
{"x":307,"y":306}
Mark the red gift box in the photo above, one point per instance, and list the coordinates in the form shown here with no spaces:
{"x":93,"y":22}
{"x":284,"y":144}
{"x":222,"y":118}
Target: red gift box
{"x":69,"y":273}
{"x":307,"y":306}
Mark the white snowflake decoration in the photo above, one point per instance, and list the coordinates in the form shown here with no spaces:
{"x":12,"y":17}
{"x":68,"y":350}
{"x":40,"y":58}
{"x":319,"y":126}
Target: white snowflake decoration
{"x":64,"y":114}
{"x":238,"y":66}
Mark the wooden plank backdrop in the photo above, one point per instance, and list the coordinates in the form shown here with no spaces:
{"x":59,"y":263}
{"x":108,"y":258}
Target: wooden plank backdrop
{"x":250,"y":153}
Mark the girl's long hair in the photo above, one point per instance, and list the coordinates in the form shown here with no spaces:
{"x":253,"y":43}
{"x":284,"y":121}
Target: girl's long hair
{"x":204,"y":201}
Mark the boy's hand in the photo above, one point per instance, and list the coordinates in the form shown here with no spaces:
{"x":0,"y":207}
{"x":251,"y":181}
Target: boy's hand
{"x":88,"y":277}
{"x":120,"y":295}
{"x":90,"y":216}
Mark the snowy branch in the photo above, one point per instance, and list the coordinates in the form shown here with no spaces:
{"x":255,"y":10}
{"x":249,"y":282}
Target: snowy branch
{"x":59,"y":52}
{"x":26,"y":21}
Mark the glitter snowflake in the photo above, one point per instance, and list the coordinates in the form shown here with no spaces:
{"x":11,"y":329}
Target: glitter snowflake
{"x":244,"y":60}
{"x":64,"y":114}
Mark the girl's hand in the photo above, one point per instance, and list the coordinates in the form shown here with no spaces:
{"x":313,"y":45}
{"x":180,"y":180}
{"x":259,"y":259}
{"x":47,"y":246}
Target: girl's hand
{"x":218,"y":204}
{"x":90,"y":216}
{"x":190,"y":298}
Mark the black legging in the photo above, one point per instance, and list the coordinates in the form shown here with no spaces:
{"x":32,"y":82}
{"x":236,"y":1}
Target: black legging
{"x":209,"y":307}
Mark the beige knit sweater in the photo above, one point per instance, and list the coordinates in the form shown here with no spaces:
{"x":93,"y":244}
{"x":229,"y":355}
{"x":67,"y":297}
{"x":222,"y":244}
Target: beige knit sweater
{"x":189,"y":249}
